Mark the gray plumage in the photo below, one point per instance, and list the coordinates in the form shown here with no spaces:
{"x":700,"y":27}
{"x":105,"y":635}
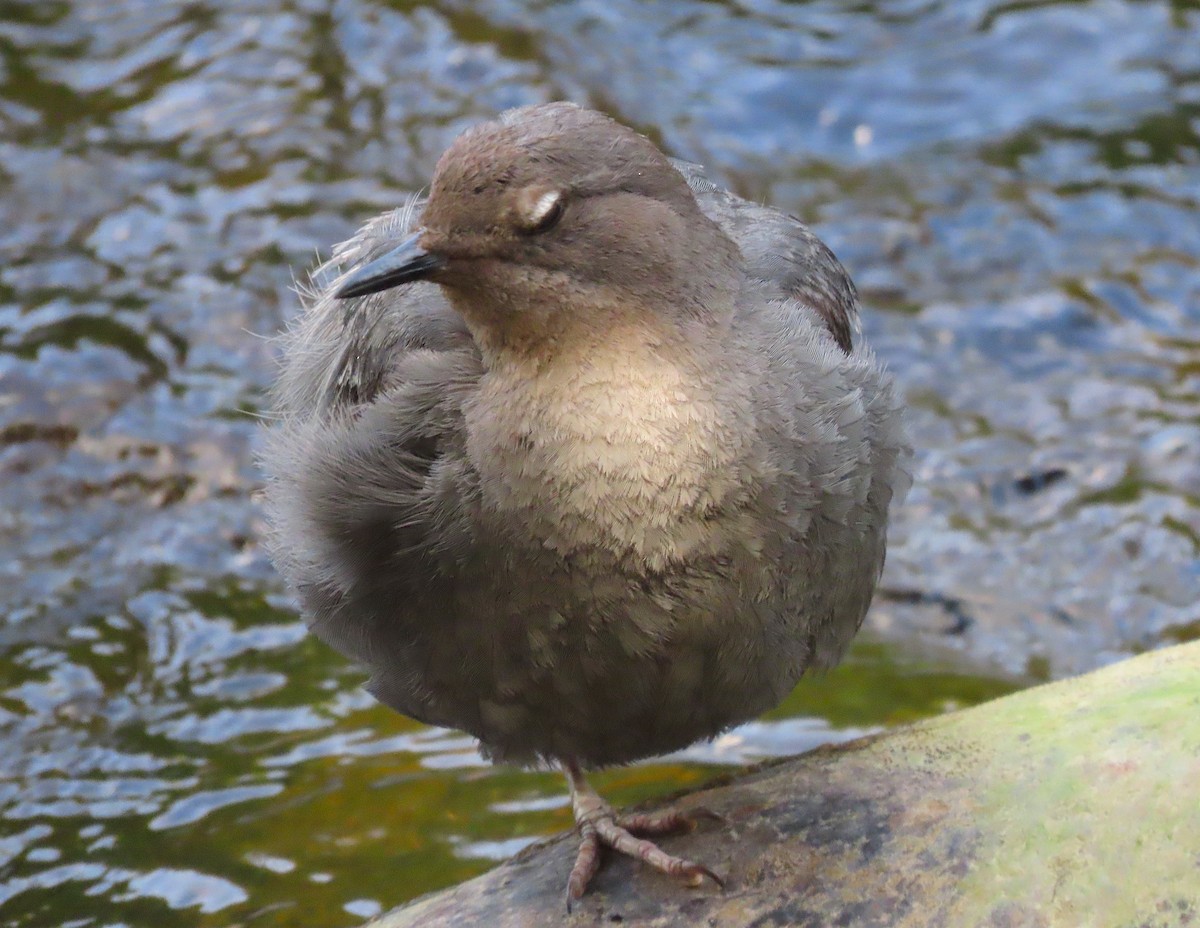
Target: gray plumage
{"x":593,"y":491}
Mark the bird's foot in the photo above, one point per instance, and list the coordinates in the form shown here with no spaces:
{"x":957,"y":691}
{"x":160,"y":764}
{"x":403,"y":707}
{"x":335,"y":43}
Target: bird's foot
{"x":600,"y":826}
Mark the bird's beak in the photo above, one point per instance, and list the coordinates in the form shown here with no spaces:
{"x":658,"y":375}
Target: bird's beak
{"x":401,"y":265}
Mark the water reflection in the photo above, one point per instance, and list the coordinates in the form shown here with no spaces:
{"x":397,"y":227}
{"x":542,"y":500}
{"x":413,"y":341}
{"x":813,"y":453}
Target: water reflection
{"x":1014,"y":186}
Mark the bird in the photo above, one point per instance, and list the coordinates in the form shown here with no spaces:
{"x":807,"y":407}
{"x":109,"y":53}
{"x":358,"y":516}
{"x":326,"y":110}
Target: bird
{"x":582,"y":454}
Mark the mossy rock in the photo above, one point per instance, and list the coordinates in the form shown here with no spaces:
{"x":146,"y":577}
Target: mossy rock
{"x":1072,"y":804}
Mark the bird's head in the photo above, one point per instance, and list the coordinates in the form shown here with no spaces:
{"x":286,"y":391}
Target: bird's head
{"x":556,"y":219}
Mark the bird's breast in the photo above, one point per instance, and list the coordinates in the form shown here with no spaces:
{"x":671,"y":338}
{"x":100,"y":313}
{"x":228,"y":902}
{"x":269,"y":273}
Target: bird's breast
{"x":637,"y":458}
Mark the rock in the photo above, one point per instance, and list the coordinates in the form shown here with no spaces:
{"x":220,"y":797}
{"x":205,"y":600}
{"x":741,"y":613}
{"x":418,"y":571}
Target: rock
{"x":1070,"y":804}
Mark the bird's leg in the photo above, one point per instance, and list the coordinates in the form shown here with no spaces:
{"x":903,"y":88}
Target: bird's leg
{"x":599,"y":825}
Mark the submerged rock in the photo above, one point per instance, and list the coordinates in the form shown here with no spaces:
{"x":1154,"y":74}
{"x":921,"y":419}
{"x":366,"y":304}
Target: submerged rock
{"x":1068,"y":804}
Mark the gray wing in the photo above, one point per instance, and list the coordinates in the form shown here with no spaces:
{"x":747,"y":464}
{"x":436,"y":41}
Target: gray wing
{"x":366,"y":470}
{"x":341,"y":352}
{"x":783,"y":253}
{"x":844,"y":417}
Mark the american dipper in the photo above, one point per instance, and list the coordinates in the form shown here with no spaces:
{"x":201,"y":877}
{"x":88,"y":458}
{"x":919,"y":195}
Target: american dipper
{"x":578,"y":455}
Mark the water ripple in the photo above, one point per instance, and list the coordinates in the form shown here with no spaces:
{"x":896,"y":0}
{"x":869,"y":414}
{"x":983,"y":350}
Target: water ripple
{"x":1014,"y":186}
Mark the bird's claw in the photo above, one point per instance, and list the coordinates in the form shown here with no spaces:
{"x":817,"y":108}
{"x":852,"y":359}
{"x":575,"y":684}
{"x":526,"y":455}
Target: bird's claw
{"x":602,"y":828}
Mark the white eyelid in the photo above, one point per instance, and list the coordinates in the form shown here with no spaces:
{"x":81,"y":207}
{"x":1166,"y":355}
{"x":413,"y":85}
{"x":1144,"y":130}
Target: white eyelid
{"x":545,"y":203}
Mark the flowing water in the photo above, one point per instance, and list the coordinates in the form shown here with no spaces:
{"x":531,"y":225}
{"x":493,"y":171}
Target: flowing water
{"x":1015,"y":186}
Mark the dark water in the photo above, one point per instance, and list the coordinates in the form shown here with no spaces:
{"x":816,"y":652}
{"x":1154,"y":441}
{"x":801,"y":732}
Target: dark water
{"x":1015,"y":186}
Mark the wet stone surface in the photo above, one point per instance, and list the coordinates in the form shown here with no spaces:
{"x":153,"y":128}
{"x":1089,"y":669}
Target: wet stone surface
{"x":1014,"y":187}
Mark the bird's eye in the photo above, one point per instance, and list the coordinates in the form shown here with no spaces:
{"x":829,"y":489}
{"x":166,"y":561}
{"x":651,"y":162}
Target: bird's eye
{"x":544,"y":212}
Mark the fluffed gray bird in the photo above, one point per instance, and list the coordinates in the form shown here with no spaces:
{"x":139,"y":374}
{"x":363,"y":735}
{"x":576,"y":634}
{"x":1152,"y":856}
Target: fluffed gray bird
{"x":603,"y":476}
